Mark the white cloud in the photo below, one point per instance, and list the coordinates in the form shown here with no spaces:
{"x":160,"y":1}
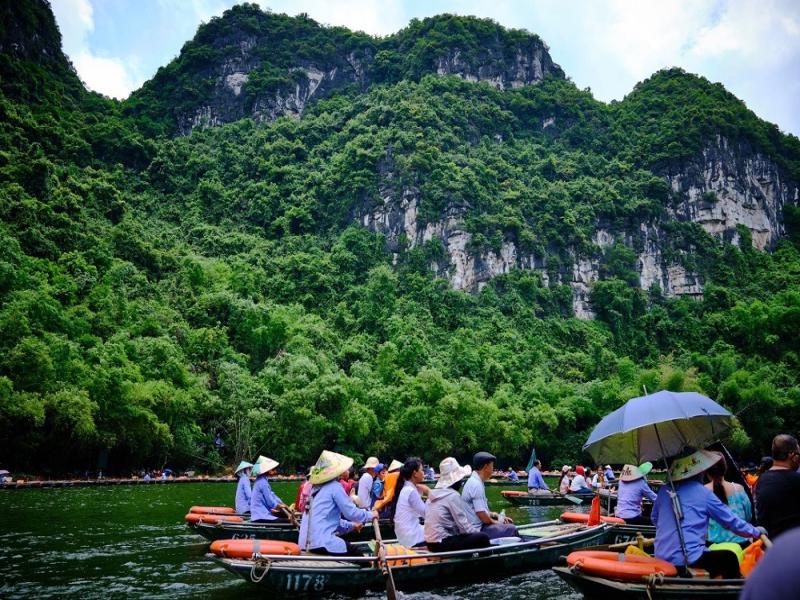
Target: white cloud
{"x":370,"y":16}
{"x":109,"y":76}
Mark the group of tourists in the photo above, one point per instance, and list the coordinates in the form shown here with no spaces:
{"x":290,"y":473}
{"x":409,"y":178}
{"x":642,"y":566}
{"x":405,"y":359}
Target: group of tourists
{"x":715,"y":514}
{"x":581,"y":480}
{"x":456,"y":515}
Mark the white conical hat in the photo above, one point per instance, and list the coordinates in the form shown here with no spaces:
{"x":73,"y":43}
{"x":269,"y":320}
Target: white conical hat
{"x":264,"y":465}
{"x":242,"y":466}
{"x":395,"y":465}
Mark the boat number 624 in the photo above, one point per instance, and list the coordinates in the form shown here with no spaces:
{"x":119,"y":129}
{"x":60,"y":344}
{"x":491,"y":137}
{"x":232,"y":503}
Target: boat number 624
{"x":304,"y":583}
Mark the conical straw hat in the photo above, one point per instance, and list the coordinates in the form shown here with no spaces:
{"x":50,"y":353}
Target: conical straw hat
{"x":329,"y":466}
{"x":242,"y":466}
{"x":694,"y":464}
{"x":395,"y":465}
{"x":264,"y":465}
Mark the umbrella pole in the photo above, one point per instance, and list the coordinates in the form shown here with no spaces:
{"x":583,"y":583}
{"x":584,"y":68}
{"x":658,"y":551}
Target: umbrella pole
{"x":673,"y":499}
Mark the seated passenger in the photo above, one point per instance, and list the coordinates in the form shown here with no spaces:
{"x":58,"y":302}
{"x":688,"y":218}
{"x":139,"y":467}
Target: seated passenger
{"x":563,"y":484}
{"x":326,"y":508}
{"x":378,"y":485}
{"x":243,"y":491}
{"x":447,"y":526}
{"x":407,"y":504}
{"x":697,"y":505}
{"x":474,"y":495}
{"x":632,"y":490}
{"x":536,"y":484}
{"x":733,"y":496}
{"x":265,"y":506}
{"x":578,"y":484}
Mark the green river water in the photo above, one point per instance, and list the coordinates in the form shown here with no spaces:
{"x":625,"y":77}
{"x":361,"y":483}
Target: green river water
{"x":131,"y":541}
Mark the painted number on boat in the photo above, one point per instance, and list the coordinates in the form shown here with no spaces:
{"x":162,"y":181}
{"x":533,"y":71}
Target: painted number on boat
{"x":244,"y":536}
{"x":304,"y":583}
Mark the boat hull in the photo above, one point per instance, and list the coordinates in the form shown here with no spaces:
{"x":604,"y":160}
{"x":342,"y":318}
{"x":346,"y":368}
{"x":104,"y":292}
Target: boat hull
{"x":282,"y":532}
{"x":289,"y":577}
{"x":667,"y":588}
{"x":619,"y":534}
{"x":545,"y":500}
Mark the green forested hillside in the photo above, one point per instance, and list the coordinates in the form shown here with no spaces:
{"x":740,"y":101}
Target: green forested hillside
{"x":156,"y":291}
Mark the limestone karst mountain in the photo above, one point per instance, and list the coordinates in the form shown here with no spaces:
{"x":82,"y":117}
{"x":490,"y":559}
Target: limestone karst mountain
{"x":311,"y":236}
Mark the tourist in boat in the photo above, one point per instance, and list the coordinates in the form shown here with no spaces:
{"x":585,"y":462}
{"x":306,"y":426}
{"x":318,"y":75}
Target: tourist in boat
{"x":731,"y":494}
{"x":365,"y":482}
{"x":512,"y":475}
{"x":474,"y":495}
{"x":385,"y":504}
{"x":578,"y":484}
{"x":430,"y":474}
{"x":265,"y":505}
{"x":347,"y":482}
{"x":698,"y":505}
{"x":598,"y":480}
{"x":536,"y":484}
{"x":378,"y":484}
{"x":243,"y":490}
{"x":778,"y":490}
{"x":563,"y":484}
{"x":303,"y":493}
{"x":329,"y":510}
{"x":408,"y":507}
{"x":448,"y":526}
{"x":631,"y":491}
{"x":608,"y":474}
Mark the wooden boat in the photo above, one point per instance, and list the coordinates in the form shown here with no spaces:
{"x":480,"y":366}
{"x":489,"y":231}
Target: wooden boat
{"x":541,"y":547}
{"x":275,"y":531}
{"x":662,"y":587}
{"x":526,"y":499}
{"x":619,"y":534}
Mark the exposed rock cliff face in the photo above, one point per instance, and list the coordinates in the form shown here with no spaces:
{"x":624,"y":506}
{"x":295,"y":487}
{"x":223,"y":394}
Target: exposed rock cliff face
{"x":750,"y":189}
{"x":731,"y":184}
{"x":246,"y":53}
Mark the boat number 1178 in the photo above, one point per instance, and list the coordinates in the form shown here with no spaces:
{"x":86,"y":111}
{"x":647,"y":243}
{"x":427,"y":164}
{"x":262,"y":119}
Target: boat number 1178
{"x":304,"y":583}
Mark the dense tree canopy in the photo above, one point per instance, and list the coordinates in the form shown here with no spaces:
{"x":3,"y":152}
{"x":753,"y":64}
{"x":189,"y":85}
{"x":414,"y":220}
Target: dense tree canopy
{"x":157,"y":291}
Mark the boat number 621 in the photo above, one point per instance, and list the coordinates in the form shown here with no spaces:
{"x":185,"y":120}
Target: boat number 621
{"x":304,"y":583}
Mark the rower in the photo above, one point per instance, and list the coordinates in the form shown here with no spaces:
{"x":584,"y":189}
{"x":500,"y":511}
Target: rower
{"x":536,"y":484}
{"x":697,"y":504}
{"x":243,"y":491}
{"x":448,"y":525}
{"x":474,"y":495}
{"x":322,"y":518}
{"x":365,"y":482}
{"x":632,"y":489}
{"x":264,"y":503}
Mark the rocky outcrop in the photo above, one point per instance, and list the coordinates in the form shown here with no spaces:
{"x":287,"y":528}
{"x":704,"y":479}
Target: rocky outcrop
{"x":731,"y":184}
{"x":530,"y":63}
{"x":726,"y":186}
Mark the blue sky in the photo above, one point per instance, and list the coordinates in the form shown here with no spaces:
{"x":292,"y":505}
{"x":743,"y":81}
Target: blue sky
{"x":750,"y":46}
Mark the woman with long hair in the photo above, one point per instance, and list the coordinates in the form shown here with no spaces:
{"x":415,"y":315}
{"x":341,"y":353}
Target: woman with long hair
{"x":731,"y":494}
{"x":407,"y":505}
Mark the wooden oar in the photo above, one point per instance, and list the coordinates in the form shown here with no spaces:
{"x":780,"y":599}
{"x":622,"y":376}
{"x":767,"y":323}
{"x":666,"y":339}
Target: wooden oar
{"x":391,"y":591}
{"x":291,"y":515}
{"x":573,"y":499}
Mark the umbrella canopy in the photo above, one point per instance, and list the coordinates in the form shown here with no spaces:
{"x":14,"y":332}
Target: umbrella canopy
{"x":681,"y":419}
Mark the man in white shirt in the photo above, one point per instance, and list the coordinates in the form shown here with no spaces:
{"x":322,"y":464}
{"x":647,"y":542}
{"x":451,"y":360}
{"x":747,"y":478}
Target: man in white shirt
{"x":365,"y":483}
{"x":474,"y":495}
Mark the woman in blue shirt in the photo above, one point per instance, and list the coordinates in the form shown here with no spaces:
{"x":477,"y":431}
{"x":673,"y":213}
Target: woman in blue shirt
{"x":264,"y":503}
{"x":330,"y":510}
{"x":243,"y":491}
{"x":697,"y":505}
{"x":632,"y":490}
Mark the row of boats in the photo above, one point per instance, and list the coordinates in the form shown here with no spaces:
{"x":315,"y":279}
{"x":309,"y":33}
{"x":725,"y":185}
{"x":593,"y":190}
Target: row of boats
{"x":264,"y":554}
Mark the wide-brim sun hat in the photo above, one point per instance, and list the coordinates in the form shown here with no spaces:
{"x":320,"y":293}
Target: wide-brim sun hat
{"x":371,"y":463}
{"x":264,"y":465}
{"x":630,"y":473}
{"x":692,"y":465}
{"x":451,"y":472}
{"x":607,"y":467}
{"x":329,"y":466}
{"x":242,"y":466}
{"x":395,"y":465}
